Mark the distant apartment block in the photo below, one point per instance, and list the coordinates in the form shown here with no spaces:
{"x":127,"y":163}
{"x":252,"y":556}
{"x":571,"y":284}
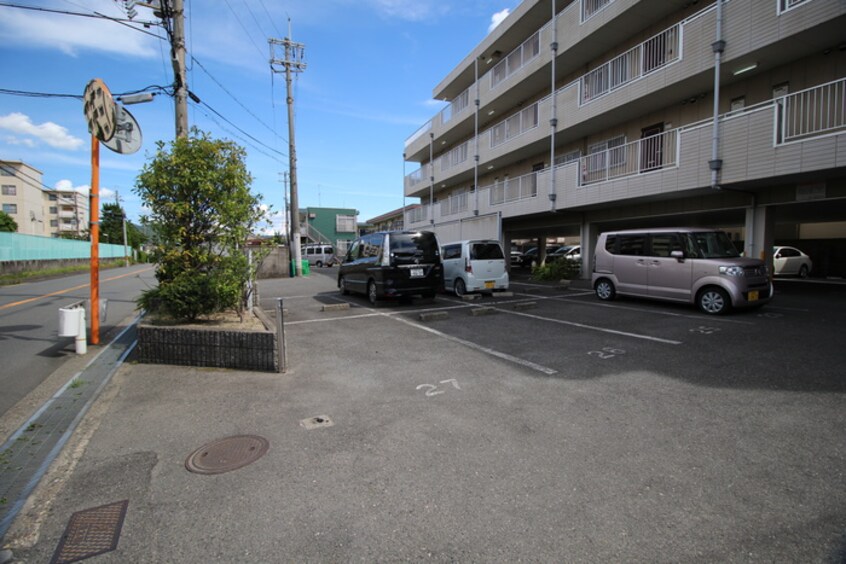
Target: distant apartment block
{"x":37,"y":209}
{"x":575,"y":117}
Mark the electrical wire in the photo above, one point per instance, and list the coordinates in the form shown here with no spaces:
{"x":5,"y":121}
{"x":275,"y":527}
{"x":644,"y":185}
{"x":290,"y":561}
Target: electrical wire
{"x":222,"y":87}
{"x":270,"y":19}
{"x":96,"y":15}
{"x":250,"y":37}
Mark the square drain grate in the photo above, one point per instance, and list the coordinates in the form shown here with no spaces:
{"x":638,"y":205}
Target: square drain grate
{"x":91,"y":532}
{"x":317,"y":422}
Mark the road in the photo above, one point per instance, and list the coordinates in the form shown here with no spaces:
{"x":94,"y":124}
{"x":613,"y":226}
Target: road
{"x":29,"y":344}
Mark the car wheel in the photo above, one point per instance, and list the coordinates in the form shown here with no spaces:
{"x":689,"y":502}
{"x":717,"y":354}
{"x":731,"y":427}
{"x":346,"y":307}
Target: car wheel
{"x":459,"y":288}
{"x":371,"y":293}
{"x":342,"y":284}
{"x":713,"y":301}
{"x":318,"y":264}
{"x":605,"y":290}
{"x":803,"y":271}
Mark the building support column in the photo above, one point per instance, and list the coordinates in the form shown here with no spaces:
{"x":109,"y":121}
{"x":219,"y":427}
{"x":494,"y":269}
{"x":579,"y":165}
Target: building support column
{"x":760,"y":234}
{"x":589,"y":233}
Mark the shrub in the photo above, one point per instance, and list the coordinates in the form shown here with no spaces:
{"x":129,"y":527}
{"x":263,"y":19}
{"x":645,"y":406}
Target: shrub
{"x":562,"y":269}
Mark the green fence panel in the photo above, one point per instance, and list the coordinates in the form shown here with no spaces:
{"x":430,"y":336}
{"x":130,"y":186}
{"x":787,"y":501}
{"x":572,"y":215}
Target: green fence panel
{"x":16,"y":246}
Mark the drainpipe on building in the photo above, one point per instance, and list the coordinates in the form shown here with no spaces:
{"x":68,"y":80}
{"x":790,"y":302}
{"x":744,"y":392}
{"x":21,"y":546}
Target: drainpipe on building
{"x":553,"y":121}
{"x":432,"y":179}
{"x":476,"y":139}
{"x":718,"y":46}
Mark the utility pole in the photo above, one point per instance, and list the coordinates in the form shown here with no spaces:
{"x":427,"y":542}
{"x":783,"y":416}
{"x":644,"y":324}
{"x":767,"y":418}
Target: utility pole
{"x":177,"y":54}
{"x":287,"y":210}
{"x":123,"y":220}
{"x":292,"y":61}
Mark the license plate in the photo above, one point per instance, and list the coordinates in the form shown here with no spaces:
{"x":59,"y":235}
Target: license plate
{"x":417,"y":273}
{"x":489,"y":285}
{"x":753,"y":296}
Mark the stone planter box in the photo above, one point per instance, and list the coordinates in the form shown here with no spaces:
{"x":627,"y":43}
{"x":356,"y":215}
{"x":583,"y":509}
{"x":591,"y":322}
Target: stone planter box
{"x":216,"y":347}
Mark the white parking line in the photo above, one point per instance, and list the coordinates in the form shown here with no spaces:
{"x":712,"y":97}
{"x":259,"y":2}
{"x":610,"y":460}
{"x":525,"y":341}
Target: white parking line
{"x":710,"y":318}
{"x":480,"y":348}
{"x":591,"y":327}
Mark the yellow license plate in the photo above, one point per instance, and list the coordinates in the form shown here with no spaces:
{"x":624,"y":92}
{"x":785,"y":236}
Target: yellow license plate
{"x":489,"y":285}
{"x":753,"y":296}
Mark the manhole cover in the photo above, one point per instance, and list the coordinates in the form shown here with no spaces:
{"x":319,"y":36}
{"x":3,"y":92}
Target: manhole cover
{"x":227,"y":454}
{"x":91,"y":532}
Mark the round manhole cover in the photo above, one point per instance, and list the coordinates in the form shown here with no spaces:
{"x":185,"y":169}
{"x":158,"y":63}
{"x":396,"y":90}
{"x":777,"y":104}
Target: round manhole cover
{"x":227,"y":454}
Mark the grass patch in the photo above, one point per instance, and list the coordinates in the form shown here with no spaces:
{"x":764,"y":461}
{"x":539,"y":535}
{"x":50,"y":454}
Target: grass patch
{"x":28,"y":275}
{"x":77,"y":383}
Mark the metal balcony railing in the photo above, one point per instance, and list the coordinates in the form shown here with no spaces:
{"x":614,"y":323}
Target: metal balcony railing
{"x":812,"y":112}
{"x":644,"y":155}
{"x":592,"y":7}
{"x":512,"y":189}
{"x":652,"y":54}
{"x":454,"y":204}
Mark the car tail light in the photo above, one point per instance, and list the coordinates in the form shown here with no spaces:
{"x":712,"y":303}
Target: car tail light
{"x":468,"y":266}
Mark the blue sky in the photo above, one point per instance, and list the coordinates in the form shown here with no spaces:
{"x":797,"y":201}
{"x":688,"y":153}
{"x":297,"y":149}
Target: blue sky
{"x":371,"y":68}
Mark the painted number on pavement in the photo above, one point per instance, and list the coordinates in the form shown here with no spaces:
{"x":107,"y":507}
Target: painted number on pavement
{"x":606,"y":353}
{"x":433,"y":390}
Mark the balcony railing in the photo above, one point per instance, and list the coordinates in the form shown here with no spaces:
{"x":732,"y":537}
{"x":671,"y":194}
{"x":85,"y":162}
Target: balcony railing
{"x":644,"y":155}
{"x":784,"y":5}
{"x":592,"y":7}
{"x":416,"y":215}
{"x":512,"y":189}
{"x":811,"y":112}
{"x":456,"y":203}
{"x":456,"y":106}
{"x":652,"y":54}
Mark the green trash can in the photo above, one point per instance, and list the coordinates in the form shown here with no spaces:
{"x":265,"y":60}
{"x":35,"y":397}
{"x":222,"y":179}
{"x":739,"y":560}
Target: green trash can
{"x":306,"y":269}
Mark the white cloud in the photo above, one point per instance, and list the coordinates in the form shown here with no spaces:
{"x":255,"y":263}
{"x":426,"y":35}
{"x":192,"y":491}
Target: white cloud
{"x":105,"y":194}
{"x":497,"y":19}
{"x":48,"y":132}
{"x":53,"y":31}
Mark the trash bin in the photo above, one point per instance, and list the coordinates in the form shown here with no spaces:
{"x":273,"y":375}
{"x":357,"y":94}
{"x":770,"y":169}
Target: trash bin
{"x":69,"y":319}
{"x":306,"y":269}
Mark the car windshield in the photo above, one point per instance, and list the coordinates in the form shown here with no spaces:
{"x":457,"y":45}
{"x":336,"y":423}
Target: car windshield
{"x":486,"y":251}
{"x":712,"y":244}
{"x":414,"y":247}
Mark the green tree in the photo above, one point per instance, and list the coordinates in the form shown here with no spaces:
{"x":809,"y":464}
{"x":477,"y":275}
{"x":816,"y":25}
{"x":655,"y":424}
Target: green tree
{"x":201,"y":213}
{"x":111,"y":227}
{"x":7,"y":223}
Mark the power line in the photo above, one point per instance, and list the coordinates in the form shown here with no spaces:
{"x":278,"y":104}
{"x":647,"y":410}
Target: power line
{"x":222,"y":87}
{"x":221,"y":116}
{"x":244,"y":28}
{"x":96,"y":15}
{"x":270,"y":19}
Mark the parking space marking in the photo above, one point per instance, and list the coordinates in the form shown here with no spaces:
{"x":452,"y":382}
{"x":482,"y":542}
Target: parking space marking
{"x":656,"y":311}
{"x":592,"y":327}
{"x":480,"y":348}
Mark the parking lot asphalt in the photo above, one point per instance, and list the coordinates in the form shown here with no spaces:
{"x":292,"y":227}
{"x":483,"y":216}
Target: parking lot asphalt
{"x":540,"y":426}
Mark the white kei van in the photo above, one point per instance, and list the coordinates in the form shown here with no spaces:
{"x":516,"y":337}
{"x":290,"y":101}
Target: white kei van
{"x":318,"y":255}
{"x":474,"y":266}
{"x":699,"y":266}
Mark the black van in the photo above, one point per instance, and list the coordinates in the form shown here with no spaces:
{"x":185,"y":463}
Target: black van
{"x":393,"y":264}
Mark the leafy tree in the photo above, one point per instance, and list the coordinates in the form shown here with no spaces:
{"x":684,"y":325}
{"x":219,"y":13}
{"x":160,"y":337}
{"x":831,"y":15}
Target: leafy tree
{"x":111,"y":227}
{"x":201,"y":213}
{"x":7,"y":223}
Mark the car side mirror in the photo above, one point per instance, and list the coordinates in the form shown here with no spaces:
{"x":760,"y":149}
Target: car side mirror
{"x":678,"y":255}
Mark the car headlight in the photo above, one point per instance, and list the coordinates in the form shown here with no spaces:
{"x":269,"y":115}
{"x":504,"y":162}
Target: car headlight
{"x":731,"y":270}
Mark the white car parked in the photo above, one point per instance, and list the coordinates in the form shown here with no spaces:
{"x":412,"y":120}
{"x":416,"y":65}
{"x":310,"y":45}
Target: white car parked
{"x":790,"y":261}
{"x":474,"y":266}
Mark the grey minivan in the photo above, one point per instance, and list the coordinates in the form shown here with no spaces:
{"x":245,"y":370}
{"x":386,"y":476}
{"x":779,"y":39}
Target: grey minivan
{"x":394,"y":264}
{"x":693,"y":265}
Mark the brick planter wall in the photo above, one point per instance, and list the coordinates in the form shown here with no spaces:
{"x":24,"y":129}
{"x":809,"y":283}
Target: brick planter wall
{"x":188,"y":346}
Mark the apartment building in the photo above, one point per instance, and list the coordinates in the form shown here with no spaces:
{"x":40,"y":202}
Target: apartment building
{"x":37,"y":209}
{"x":574,"y":117}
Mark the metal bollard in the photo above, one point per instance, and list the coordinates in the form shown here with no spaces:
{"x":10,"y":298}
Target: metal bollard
{"x":280,"y":336}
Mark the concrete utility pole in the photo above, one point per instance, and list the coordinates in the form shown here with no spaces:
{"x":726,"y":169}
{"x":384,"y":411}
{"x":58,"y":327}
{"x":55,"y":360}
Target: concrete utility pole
{"x":292,"y":61}
{"x":177,"y":54}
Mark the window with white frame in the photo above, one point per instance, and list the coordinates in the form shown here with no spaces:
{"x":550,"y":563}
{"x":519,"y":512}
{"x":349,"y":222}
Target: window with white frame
{"x":345,"y":223}
{"x":569,"y":157}
{"x":10,"y":190}
{"x":608,"y":153}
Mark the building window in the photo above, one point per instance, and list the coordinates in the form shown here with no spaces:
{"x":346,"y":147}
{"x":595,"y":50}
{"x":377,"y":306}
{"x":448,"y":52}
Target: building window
{"x":54,"y":209}
{"x":345,"y":223}
{"x":54,"y":223}
{"x":10,"y":190}
{"x":738,"y":103}
{"x":53,"y":197}
{"x":10,"y":209}
{"x":570,"y":157}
